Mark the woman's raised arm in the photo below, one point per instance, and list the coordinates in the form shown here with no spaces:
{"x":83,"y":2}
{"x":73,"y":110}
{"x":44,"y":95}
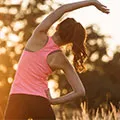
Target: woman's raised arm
{"x":59,"y":12}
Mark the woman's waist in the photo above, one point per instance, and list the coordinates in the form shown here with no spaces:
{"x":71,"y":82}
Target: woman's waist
{"x":29,"y":89}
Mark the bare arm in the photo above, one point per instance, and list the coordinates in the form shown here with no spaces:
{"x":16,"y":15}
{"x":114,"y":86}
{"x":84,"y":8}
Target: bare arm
{"x":61,"y":62}
{"x":58,"y":13}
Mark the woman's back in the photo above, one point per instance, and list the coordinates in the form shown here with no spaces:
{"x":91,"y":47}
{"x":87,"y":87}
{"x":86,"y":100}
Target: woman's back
{"x":33,"y":70}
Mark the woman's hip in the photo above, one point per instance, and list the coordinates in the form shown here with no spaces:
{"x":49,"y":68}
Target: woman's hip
{"x":24,"y":106}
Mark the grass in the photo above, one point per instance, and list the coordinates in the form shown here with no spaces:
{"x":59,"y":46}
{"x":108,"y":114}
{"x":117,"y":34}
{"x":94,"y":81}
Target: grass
{"x":65,"y":113}
{"x":84,"y":114}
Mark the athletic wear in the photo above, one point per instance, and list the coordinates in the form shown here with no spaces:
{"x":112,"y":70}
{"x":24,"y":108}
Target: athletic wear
{"x":33,"y":70}
{"x":23,"y":107}
{"x":27,"y":97}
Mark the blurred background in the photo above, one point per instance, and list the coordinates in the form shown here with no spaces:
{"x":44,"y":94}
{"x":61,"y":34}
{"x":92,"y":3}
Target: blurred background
{"x":18,"y":18}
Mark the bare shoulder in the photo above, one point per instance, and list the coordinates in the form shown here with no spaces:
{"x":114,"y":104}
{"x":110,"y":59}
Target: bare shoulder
{"x":57,"y":60}
{"x":36,"y":41}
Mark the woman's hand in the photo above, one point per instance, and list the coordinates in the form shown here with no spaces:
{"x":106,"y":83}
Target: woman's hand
{"x":100,"y":6}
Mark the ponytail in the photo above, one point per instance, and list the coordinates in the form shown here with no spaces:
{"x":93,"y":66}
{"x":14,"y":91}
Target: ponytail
{"x":73,"y":32}
{"x":79,"y":47}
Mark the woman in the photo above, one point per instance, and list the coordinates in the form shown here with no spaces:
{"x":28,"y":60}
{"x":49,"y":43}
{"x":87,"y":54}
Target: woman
{"x":29,"y":96}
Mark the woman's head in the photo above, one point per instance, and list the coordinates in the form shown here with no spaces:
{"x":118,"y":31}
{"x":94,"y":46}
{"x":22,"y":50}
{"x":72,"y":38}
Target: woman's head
{"x":71,"y":31}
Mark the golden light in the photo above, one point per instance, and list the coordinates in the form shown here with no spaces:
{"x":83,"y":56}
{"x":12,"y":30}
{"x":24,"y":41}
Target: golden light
{"x":15,"y":66}
{"x":2,"y":50}
{"x":64,"y":91}
{"x":21,"y":34}
{"x":3,"y":10}
{"x":2,"y":35}
{"x":94,"y":56}
{"x":10,"y":80}
{"x":18,"y":48}
{"x":10,"y":44}
{"x":5,"y":29}
{"x":13,"y":37}
{"x":110,"y":53}
{"x":92,"y":42}
{"x":3,"y":68}
{"x":89,"y":67}
{"x":1,"y":23}
{"x":1,"y":84}
{"x":3,"y":32}
{"x":12,"y":54}
{"x":15,"y":1}
{"x":43,"y":7}
{"x":24,"y":4}
{"x":18,"y":25}
{"x":13,"y":11}
{"x":105,"y":58}
{"x":53,"y":85}
{"x":99,"y":42}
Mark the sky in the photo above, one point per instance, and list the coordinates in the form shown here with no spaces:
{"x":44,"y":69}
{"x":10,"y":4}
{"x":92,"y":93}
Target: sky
{"x":109,"y":23}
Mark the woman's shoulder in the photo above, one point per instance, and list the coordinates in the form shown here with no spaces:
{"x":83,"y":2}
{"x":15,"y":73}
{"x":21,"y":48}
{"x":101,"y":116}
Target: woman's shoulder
{"x":36,"y":41}
{"x":57,"y":60}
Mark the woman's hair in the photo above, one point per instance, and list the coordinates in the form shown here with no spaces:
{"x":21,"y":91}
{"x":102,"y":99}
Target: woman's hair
{"x":71,"y":31}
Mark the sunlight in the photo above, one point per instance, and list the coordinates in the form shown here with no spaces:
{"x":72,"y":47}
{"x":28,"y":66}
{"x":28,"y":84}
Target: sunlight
{"x":25,"y":3}
{"x":2,"y":35}
{"x":64,"y":91}
{"x":94,"y":56}
{"x":5,"y":29}
{"x":100,"y":42}
{"x":92,"y":42}
{"x":18,"y":48}
{"x":43,"y":7}
{"x":89,"y":67}
{"x":1,"y":23}
{"x":105,"y":58}
{"x":12,"y":55}
{"x":53,"y":85}
{"x":110,"y":53}
{"x":18,"y":25}
{"x":15,"y":66}
{"x":3,"y":10}
{"x":2,"y":50}
{"x":13,"y":37}
{"x":13,"y":11}
{"x":16,"y":1}
{"x":10,"y":44}
{"x":10,"y":80}
{"x":1,"y":84}
{"x":3,"y":68}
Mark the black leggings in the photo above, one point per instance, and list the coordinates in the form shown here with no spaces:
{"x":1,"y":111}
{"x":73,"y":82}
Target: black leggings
{"x":23,"y":107}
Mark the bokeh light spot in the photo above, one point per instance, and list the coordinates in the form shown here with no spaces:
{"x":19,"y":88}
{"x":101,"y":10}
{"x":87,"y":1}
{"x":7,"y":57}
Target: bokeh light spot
{"x":3,"y":68}
{"x":15,"y":66}
{"x":10,"y":80}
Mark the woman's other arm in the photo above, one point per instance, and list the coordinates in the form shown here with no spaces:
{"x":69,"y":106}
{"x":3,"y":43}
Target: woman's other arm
{"x":58,"y":13}
{"x":61,"y":62}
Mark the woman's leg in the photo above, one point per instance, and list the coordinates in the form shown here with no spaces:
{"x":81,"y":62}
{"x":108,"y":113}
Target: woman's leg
{"x":40,"y":108}
{"x":15,"y":108}
{"x":23,"y":106}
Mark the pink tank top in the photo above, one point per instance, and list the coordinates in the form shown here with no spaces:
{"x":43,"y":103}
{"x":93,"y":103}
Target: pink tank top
{"x":33,"y":70}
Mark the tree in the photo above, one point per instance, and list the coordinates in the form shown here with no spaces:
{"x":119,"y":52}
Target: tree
{"x":101,"y":80}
